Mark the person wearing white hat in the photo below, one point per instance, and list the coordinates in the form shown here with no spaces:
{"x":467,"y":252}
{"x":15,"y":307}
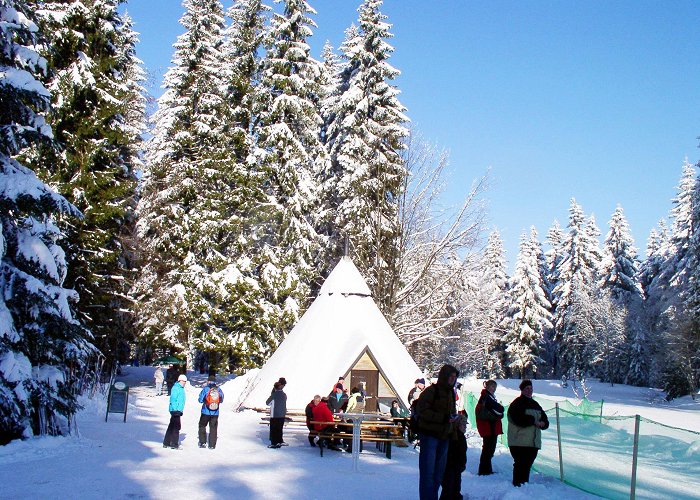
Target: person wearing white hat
{"x":177,"y":407}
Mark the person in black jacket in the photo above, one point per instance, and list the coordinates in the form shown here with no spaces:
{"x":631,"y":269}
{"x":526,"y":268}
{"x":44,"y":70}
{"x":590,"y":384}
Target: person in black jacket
{"x":337,"y":400}
{"x":437,"y":415}
{"x":526,"y":420}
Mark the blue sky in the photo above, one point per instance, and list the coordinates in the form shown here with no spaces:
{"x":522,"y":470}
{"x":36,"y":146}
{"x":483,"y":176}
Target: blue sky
{"x":595,"y":100}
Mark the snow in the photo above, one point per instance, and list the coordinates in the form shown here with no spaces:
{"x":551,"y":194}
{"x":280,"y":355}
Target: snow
{"x":117,"y":459}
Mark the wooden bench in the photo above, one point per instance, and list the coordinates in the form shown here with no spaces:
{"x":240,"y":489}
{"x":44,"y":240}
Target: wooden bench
{"x":382,"y":433}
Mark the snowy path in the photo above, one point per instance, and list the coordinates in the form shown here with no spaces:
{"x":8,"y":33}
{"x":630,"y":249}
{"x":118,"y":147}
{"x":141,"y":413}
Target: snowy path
{"x":127,"y":460}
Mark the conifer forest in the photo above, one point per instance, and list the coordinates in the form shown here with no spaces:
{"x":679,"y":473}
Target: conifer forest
{"x":203,"y":223}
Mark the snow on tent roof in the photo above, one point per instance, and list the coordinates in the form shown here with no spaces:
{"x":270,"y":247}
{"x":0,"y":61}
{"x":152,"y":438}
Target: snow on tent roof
{"x":340,"y":324}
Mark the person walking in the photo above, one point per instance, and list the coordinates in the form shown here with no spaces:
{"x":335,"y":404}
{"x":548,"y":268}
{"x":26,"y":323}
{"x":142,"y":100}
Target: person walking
{"x":159,"y":377}
{"x":176,"y":408}
{"x":526,"y":420}
{"x":489,"y":414}
{"x":211,"y":398}
{"x":437,"y":415}
{"x":278,"y":412}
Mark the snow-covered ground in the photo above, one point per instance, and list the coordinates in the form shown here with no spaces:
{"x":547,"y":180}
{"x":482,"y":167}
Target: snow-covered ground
{"x":114,"y":459}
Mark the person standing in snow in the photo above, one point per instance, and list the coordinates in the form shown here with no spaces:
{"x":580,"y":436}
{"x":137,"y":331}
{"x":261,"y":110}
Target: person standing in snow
{"x":437,"y":417}
{"x":456,"y":461}
{"x":170,"y":377}
{"x":278,"y":412}
{"x":418,"y":387}
{"x":489,"y":414}
{"x":159,"y":377}
{"x":177,"y":407}
{"x":210,"y":413}
{"x":526,"y":420}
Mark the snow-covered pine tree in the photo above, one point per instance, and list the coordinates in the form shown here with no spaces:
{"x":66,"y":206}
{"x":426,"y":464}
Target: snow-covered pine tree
{"x":666,"y":290}
{"x":528,"y":312}
{"x":194,"y":279}
{"x":364,"y":139}
{"x":681,"y":374}
{"x":573,"y":296}
{"x":289,"y":154}
{"x":97,"y":118}
{"x":42,"y":347}
{"x":483,"y":348}
{"x":618,"y":276}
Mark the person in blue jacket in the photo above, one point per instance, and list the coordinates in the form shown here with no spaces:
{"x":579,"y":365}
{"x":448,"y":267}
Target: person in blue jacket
{"x":177,"y":407}
{"x":210,"y":412}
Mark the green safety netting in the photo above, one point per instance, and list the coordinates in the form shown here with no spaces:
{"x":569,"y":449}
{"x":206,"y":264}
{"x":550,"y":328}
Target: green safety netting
{"x":584,"y":407}
{"x":597,"y":452}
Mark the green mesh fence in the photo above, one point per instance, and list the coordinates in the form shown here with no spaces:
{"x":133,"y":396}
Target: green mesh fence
{"x":597,"y":456}
{"x":585,"y":408}
{"x":597,"y":452}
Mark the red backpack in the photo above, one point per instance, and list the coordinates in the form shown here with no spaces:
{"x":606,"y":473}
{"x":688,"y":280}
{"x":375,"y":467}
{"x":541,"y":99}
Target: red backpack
{"x":212,"y":399}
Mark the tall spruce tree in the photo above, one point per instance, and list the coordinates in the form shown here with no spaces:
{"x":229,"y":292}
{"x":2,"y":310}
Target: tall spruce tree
{"x":289,"y":154}
{"x":189,"y":215}
{"x":364,"y":139}
{"x":42,"y":346}
{"x":618,"y":276}
{"x":97,"y":118}
{"x":529,"y":311}
{"x":573,"y":296}
{"x":487,"y":318}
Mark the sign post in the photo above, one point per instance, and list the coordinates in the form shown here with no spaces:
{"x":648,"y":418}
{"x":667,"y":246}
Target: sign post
{"x":118,"y":400}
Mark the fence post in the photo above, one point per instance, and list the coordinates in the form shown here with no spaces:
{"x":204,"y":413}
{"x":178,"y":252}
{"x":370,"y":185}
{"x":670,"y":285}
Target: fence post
{"x":634,"y":457}
{"x":561,"y":462}
{"x":602,"y":402}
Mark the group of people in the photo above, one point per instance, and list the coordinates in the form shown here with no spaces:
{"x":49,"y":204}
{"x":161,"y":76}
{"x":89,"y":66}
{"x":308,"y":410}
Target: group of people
{"x":211,"y":396}
{"x":442,"y":427}
{"x":440,"y":416}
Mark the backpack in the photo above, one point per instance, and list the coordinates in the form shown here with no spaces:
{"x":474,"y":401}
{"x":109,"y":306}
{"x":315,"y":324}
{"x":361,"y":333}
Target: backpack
{"x":212,"y":399}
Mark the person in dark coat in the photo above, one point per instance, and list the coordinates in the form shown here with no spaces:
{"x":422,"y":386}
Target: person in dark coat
{"x":278,"y":412}
{"x":437,"y":416}
{"x":489,"y":414}
{"x":526,"y":420}
{"x":456,"y":461}
{"x":170,"y":377}
{"x":309,"y":412}
{"x":418,"y":387}
{"x":210,"y":415}
{"x":338,"y":400}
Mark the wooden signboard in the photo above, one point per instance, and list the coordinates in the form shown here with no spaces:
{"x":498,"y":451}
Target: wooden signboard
{"x":118,"y":400}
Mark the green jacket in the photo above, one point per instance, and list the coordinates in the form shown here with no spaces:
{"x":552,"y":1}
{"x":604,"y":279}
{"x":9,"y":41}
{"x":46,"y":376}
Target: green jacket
{"x":523,"y":413}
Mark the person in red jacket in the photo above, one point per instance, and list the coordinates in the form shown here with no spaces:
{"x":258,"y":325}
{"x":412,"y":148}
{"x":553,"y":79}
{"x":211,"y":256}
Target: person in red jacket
{"x":322,"y":413}
{"x":489,"y":414}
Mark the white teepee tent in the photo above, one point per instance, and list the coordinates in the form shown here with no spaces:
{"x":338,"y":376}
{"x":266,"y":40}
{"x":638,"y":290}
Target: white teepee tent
{"x":343,"y":333}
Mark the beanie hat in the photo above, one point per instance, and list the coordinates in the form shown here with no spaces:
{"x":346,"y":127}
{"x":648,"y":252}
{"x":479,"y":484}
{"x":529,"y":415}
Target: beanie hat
{"x":525,"y":383}
{"x":182,"y":378}
{"x":282,"y":381}
{"x":420,"y":381}
{"x":339,"y":386}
